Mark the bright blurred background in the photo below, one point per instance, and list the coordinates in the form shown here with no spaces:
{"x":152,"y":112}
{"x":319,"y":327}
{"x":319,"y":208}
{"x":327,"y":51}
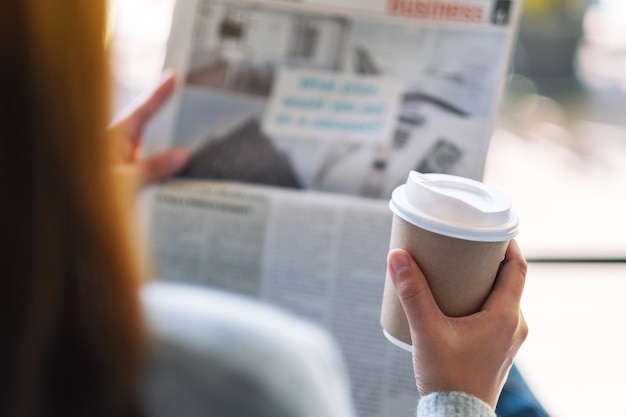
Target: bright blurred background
{"x":560,"y":144}
{"x":559,"y":150}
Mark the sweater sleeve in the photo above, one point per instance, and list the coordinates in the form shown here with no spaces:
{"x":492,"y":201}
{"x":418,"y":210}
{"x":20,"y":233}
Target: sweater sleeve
{"x":452,"y":404}
{"x":220,"y":354}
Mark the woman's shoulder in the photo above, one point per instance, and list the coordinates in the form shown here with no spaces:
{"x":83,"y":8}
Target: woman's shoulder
{"x":220,"y":350}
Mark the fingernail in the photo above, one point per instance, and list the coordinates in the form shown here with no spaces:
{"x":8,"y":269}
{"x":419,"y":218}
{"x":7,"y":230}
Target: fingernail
{"x":167,"y":72}
{"x":178,"y":159}
{"x":399,"y":262}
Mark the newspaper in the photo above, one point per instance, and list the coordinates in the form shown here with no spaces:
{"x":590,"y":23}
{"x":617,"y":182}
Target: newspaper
{"x":337,"y":96}
{"x":301,"y":118}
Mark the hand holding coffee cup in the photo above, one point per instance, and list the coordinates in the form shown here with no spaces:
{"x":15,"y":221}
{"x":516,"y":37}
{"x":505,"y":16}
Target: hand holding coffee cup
{"x":471,"y":354}
{"x":457,"y":229}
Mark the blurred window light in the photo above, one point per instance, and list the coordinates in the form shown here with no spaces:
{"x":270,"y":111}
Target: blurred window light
{"x":601,"y":58}
{"x":138,"y":34}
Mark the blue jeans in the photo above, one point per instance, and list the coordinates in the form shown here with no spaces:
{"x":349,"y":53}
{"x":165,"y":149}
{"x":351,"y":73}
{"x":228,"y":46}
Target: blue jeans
{"x":517,"y":400}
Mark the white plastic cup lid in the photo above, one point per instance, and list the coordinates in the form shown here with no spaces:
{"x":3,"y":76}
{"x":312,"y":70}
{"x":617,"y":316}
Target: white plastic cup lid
{"x":455,"y":206}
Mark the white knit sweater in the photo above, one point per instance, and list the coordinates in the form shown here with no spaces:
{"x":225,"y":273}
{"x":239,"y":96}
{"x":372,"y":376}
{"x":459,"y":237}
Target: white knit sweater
{"x":452,"y":404}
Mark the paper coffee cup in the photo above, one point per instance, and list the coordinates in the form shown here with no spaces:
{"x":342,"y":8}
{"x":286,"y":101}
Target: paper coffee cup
{"x":457,"y":229}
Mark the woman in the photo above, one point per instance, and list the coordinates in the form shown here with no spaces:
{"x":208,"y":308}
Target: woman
{"x":75,"y":339}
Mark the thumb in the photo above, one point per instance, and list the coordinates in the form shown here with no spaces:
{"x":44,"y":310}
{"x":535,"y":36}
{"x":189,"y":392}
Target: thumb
{"x":412,"y":289}
{"x":163,"y":165}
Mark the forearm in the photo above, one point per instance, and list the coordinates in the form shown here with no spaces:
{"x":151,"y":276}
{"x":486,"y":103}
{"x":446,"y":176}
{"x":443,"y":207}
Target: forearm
{"x":453,"y":404}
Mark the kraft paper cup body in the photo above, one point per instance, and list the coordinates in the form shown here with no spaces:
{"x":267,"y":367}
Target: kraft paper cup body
{"x":459,"y":245}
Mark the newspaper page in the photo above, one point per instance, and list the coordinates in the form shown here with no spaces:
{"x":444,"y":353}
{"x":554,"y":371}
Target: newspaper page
{"x":317,"y":255}
{"x":340,"y":96}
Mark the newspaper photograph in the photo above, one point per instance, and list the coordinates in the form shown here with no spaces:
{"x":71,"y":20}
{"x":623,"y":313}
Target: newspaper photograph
{"x":345,"y":97}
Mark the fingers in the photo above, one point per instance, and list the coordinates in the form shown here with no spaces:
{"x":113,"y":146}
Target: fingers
{"x":162,"y":165}
{"x":412,"y":290}
{"x":509,"y":284}
{"x":155,"y":99}
{"x":132,"y":120}
{"x":522,"y":331}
